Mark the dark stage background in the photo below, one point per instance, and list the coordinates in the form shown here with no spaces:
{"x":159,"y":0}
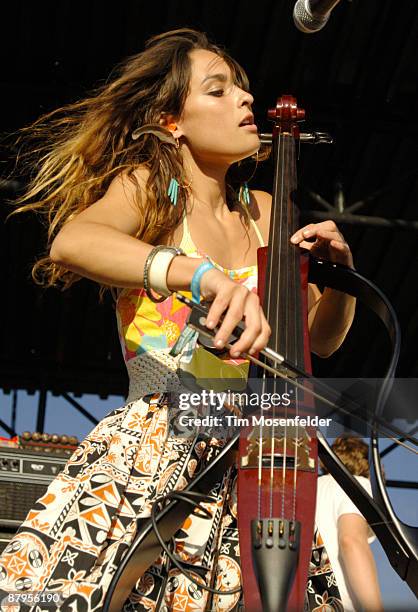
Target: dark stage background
{"x":357,"y":79}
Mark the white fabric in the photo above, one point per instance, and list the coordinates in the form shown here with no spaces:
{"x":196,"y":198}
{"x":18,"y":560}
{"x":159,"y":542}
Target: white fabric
{"x":331,"y":503}
{"x":152,"y":372}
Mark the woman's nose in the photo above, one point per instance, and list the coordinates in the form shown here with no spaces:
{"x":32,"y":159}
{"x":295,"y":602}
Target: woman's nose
{"x":246,"y":98}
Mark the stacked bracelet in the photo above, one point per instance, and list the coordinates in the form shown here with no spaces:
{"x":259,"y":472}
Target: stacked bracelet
{"x":197,"y":276}
{"x":155,"y":271}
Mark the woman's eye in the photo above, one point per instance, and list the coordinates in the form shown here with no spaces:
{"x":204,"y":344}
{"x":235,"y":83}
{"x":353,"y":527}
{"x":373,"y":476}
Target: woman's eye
{"x":217,"y":92}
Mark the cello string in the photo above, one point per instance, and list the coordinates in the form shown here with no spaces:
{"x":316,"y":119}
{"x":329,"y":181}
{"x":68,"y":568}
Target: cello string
{"x":275,"y":243}
{"x":260,"y":470}
{"x":272,"y":442}
{"x":288,"y":309}
{"x":283,"y":289}
{"x":269,"y":315}
{"x":295,"y":258}
{"x":296,"y":448}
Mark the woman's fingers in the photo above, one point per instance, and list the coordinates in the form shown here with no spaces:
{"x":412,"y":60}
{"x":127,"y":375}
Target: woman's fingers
{"x":308,"y":231}
{"x":253,"y":325}
{"x":312,"y":231}
{"x":324,"y":240}
{"x":263,"y":338}
{"x":234,"y":302}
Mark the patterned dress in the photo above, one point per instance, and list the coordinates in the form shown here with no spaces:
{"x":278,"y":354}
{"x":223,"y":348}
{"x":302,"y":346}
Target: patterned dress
{"x":322,"y":593}
{"x":73,"y":539}
{"x":75,"y":536}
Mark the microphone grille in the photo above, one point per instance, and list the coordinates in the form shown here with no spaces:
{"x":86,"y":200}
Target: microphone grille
{"x":305,"y":21}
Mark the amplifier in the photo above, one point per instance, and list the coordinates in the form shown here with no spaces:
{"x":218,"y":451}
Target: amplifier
{"x":24,"y":477}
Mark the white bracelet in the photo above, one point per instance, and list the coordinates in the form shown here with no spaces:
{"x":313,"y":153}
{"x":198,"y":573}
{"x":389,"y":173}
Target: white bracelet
{"x":159,"y":267}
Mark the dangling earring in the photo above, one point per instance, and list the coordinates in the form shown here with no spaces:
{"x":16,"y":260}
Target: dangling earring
{"x":173,"y":188}
{"x":244,"y":195}
{"x":165,"y":134}
{"x":173,"y":191}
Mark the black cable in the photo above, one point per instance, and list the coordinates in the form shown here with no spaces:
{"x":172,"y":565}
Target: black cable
{"x":164,"y":583}
{"x":184,"y":496}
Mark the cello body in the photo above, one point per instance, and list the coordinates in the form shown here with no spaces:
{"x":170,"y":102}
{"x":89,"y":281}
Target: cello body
{"x":278,"y":464}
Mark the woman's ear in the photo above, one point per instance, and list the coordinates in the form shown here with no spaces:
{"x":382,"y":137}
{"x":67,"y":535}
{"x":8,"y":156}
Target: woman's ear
{"x":169,"y":122}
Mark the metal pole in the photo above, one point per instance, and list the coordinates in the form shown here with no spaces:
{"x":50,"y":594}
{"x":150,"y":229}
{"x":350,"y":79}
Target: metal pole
{"x":40,"y":421}
{"x":379,"y":222}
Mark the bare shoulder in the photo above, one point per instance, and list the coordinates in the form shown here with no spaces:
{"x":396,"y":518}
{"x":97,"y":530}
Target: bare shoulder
{"x":261,"y":203}
{"x":118,"y":206}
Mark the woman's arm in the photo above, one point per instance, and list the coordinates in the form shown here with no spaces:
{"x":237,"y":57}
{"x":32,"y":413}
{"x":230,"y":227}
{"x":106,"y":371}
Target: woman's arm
{"x":330,"y":313}
{"x":358,"y":562}
{"x":330,"y":320}
{"x":99,"y":244}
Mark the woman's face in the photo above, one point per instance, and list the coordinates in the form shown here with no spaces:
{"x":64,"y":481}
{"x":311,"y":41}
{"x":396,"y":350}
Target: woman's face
{"x":217,"y":122}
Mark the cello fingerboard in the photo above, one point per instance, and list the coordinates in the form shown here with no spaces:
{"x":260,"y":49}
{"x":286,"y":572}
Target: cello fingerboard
{"x":283,"y":289}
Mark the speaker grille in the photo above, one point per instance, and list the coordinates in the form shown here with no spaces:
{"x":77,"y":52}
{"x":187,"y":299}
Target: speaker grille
{"x":17,"y":498}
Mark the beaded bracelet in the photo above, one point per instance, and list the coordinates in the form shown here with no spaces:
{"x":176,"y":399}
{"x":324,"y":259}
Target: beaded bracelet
{"x":197,"y":276}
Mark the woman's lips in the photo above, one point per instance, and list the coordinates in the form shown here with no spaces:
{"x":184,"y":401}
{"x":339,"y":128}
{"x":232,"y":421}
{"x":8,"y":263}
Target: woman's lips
{"x":250,"y":127}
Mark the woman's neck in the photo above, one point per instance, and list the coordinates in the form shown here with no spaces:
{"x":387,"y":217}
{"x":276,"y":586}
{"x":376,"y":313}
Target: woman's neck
{"x":208,"y":186}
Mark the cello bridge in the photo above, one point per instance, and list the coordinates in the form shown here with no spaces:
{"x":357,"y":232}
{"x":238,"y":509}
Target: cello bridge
{"x":290,"y":449}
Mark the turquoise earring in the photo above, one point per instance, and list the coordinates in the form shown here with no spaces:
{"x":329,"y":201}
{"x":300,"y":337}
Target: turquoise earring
{"x":173,"y":191}
{"x":244,"y":194}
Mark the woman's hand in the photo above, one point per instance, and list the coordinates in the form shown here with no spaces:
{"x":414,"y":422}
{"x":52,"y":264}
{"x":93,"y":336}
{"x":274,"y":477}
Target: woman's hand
{"x":332,"y":315}
{"x":325,"y":241}
{"x":236,"y":303}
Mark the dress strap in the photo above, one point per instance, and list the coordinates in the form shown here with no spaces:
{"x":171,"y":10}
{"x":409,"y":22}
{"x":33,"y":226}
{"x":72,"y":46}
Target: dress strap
{"x":187,"y":243}
{"x":255,"y":226}
{"x":257,"y":231}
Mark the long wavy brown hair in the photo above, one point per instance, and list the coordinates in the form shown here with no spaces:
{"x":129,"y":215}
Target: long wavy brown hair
{"x":72,"y":154}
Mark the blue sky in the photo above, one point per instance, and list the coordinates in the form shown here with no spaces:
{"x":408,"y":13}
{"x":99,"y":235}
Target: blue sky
{"x":61,"y":418}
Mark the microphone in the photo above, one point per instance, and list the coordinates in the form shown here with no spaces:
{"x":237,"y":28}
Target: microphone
{"x":311,"y":15}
